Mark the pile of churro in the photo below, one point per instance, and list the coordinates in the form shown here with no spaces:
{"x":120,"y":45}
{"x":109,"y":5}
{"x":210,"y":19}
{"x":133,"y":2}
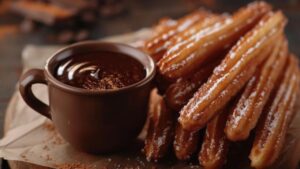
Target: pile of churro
{"x":225,"y":75}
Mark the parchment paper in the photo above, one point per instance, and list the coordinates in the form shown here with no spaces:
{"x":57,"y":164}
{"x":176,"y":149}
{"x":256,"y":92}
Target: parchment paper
{"x":30,"y":137}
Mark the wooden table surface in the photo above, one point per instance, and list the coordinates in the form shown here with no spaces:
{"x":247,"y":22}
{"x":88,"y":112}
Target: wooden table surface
{"x":138,"y":14}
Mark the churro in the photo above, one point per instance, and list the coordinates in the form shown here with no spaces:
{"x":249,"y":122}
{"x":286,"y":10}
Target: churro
{"x":185,"y":57}
{"x":179,"y":93}
{"x":160,"y":131}
{"x":248,"y":110}
{"x":185,"y":143}
{"x":215,"y":145}
{"x":157,"y":45}
{"x":233,"y":73}
{"x":272,"y":127}
{"x":203,"y":66}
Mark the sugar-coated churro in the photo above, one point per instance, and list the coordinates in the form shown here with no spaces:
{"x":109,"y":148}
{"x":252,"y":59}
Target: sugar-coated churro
{"x":215,"y":145}
{"x":232,"y":74}
{"x":157,"y":45}
{"x":185,"y":57}
{"x":205,"y":60}
{"x":247,"y":112}
{"x":179,"y":93}
{"x":185,"y":143}
{"x":276,"y":119}
{"x":160,"y":131}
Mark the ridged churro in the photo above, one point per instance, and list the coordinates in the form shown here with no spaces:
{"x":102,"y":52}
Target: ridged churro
{"x":208,"y":21}
{"x":179,"y":93}
{"x":233,"y":73}
{"x":164,"y":24}
{"x":185,"y":57}
{"x":276,"y":119}
{"x":215,"y":145}
{"x":229,"y":75}
{"x":160,"y":132}
{"x":157,"y":45}
{"x":248,"y":110}
{"x":185,"y":143}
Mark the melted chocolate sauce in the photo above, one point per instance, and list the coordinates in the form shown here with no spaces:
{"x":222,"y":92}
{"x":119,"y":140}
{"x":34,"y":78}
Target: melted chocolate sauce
{"x":100,"y":71}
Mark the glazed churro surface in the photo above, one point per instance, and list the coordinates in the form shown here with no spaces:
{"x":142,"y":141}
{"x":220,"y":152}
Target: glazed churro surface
{"x":222,"y":80}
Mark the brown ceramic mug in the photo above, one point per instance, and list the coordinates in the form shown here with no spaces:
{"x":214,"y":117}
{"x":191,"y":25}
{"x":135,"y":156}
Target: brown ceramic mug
{"x":92,"y":121}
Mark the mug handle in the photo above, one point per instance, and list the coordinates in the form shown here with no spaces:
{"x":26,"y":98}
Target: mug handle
{"x":31,"y":77}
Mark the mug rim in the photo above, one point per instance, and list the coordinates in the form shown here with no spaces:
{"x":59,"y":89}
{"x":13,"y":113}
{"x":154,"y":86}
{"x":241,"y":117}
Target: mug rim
{"x":147,"y":79}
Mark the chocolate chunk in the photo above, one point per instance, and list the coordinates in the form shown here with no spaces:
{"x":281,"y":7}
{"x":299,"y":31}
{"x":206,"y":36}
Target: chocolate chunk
{"x":42,"y":12}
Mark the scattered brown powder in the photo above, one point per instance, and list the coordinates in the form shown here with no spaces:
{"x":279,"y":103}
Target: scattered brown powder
{"x":49,"y":158}
{"x":57,"y":139}
{"x":48,"y":126}
{"x":24,"y":157}
{"x":46,"y":148}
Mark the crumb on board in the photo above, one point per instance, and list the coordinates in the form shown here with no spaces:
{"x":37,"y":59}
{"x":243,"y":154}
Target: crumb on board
{"x":56,"y":138}
{"x":45,"y":147}
{"x":48,"y":157}
{"x":48,"y":126}
{"x":24,"y":157}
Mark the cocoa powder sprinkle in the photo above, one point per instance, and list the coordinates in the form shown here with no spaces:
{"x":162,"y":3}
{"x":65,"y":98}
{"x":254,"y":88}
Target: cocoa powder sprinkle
{"x":48,"y":126}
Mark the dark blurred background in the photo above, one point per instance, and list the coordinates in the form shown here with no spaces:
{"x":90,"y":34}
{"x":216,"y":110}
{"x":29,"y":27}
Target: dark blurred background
{"x":60,"y":22}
